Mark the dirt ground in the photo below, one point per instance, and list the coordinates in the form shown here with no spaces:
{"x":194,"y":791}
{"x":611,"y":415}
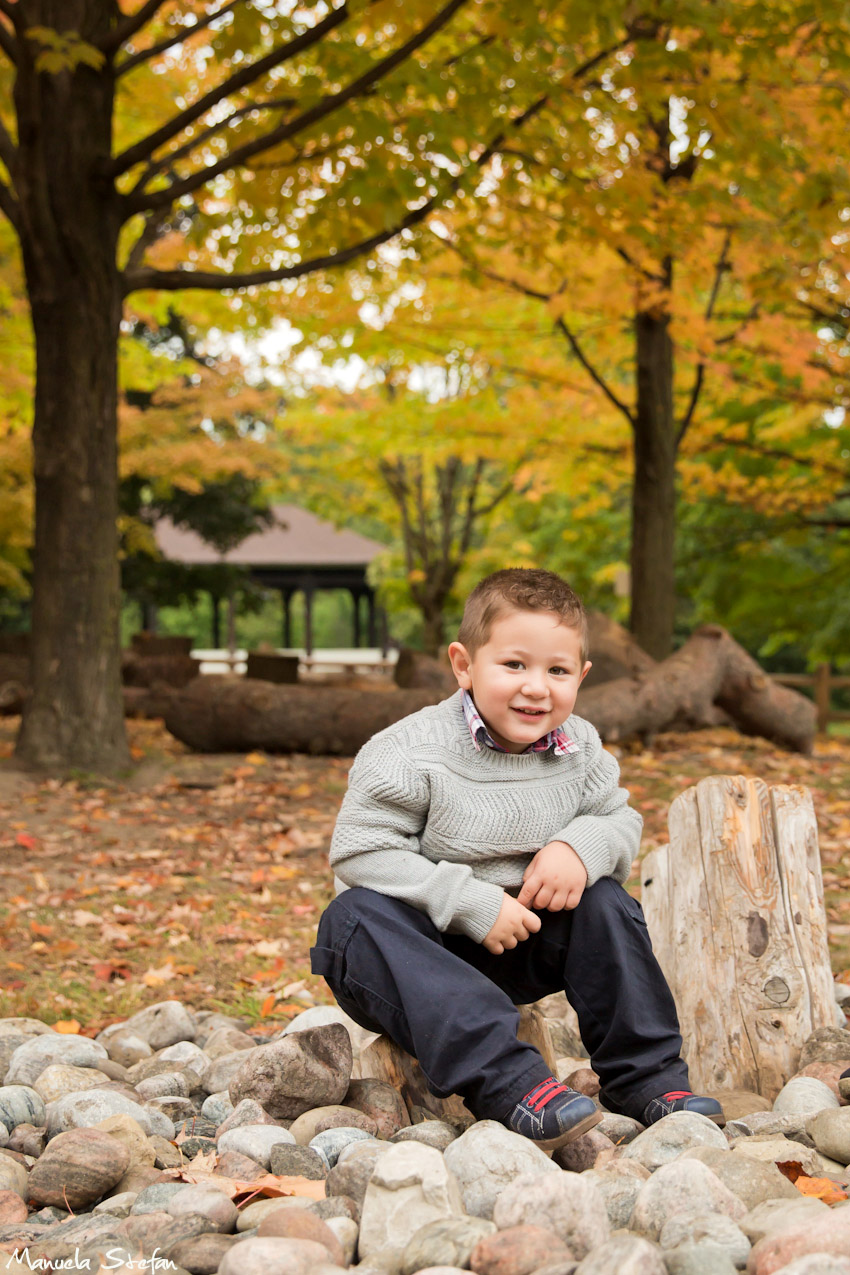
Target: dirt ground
{"x":202,"y":878}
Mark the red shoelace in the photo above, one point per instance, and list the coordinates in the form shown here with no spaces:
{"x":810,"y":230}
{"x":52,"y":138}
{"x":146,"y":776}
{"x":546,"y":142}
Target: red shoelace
{"x":674,"y":1094}
{"x":541,"y":1094}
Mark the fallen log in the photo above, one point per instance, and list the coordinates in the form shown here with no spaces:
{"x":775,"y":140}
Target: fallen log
{"x":222,"y":714}
{"x":735,"y":909}
{"x":710,"y":672}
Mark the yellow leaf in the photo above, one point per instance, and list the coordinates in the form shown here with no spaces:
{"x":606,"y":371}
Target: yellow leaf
{"x":67,"y":1026}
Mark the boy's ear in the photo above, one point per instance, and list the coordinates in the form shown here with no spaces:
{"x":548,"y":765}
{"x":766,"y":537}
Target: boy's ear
{"x":461,"y":664}
{"x":584,"y":672}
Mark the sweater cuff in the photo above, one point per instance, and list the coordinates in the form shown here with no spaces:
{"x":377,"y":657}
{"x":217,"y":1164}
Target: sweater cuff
{"x":590,"y":842}
{"x":477,"y":909}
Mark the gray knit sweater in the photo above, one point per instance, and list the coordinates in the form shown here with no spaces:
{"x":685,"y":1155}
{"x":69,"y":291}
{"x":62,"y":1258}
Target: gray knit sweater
{"x":429,"y":819}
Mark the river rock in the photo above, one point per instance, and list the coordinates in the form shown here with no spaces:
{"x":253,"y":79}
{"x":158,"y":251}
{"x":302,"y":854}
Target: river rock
{"x":77,"y":1168}
{"x":518,"y":1250}
{"x":187,"y":1055}
{"x":623,"y":1255}
{"x":826,"y":1044}
{"x":302,"y":1224}
{"x":246,"y":1112}
{"x":295,"y":1161}
{"x":124,"y":1047}
{"x":252,"y":1215}
{"x":129,"y":1132}
{"x":740,"y":1102}
{"x":12,"y":1207}
{"x":787,"y":1123}
{"x":160,"y":1025}
{"x":306,"y":1069}
{"x":775,"y":1215}
{"x":563,"y":1202}
{"x":255,"y":1141}
{"x":620,"y":1129}
{"x":804,"y":1095}
{"x":779,"y":1151}
{"x":217,"y":1107}
{"x":227,"y":1040}
{"x":207,"y":1201}
{"x":830,"y":1132}
{"x":818,"y":1264}
{"x":487,"y":1158}
{"x":223,"y":1069}
{"x":168,"y":1084}
{"x":827,"y":1233}
{"x":35,"y":1055}
{"x":84,"y":1110}
{"x":703,"y":1258}
{"x":619,"y":1183}
{"x":410,"y":1185}
{"x":59,"y":1079}
{"x":28,"y":1140}
{"x":751,"y":1180}
{"x":830,"y":1073}
{"x":380,"y":1102}
{"x":13,"y":1176}
{"x":332,"y":1142}
{"x":271,"y":1256}
{"x":681,"y":1186}
{"x":321,"y":1016}
{"x":20,"y":1104}
{"x":117,"y":1205}
{"x":694,"y":1227}
{"x":670,"y":1136}
{"x":583,"y":1152}
{"x":307,"y":1125}
{"x":431,"y":1133}
{"x":351,"y":1177}
{"x":202,"y":1254}
{"x":233,"y":1164}
{"x":448,"y":1241}
{"x":156,"y":1197}
{"x":346,"y":1231}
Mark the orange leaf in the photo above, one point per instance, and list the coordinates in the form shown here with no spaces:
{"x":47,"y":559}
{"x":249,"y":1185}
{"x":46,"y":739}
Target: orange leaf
{"x":792,"y":1169}
{"x":821,"y":1188}
{"x":68,"y":1026}
{"x":268,"y":1005}
{"x":24,"y":839}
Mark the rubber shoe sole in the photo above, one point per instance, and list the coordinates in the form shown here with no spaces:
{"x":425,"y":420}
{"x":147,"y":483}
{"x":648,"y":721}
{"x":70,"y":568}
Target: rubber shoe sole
{"x":583,"y":1126}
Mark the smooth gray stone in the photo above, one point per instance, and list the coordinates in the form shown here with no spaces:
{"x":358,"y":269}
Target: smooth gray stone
{"x":331,"y":1142}
{"x":156,"y":1197}
{"x":36,"y":1055}
{"x":20,"y":1104}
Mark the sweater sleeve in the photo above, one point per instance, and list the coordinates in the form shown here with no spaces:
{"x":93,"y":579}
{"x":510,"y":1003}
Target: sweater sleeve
{"x":375,"y":844}
{"x":605,"y":830}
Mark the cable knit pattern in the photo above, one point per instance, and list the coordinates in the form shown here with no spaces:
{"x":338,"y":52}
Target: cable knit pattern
{"x":429,"y":819}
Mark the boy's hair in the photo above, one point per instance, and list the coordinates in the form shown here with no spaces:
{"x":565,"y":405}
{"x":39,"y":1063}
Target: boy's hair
{"x":521,"y":589}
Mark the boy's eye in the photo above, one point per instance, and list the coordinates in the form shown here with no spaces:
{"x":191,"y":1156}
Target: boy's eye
{"x":513,"y":664}
{"x":557,"y":669}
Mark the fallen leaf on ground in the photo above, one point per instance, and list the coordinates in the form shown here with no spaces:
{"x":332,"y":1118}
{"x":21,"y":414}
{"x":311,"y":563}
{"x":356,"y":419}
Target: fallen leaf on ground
{"x":821,"y":1189}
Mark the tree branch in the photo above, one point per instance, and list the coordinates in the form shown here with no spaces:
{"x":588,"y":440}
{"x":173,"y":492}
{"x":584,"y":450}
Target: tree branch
{"x":719,"y":271}
{"x":8,"y":150}
{"x":592,"y":372}
{"x":144,"y":55}
{"x":125,"y":30}
{"x":322,"y":109}
{"x":777,"y":453}
{"x":244,"y":76}
{"x":8,"y":204}
{"x":7,"y":44}
{"x":159,"y":165}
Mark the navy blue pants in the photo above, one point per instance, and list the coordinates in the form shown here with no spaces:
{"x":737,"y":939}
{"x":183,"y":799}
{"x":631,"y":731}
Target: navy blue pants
{"x":450,"y":1003}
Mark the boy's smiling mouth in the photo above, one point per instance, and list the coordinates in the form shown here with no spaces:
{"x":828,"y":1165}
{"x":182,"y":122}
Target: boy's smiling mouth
{"x":531,"y":712}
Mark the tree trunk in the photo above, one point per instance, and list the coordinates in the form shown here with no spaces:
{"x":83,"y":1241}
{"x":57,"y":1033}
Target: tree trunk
{"x":234,"y":714}
{"x":654,"y":488}
{"x":69,"y":224}
{"x":735,"y":908}
{"x":684,"y":692}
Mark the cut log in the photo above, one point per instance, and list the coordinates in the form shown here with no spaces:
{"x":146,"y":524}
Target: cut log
{"x":383,"y":1060}
{"x":220,"y":714}
{"x":684,"y":691}
{"x":152,"y":670}
{"x":735,"y":911}
{"x":614,"y":651}
{"x":416,"y":671}
{"x":268,"y":666}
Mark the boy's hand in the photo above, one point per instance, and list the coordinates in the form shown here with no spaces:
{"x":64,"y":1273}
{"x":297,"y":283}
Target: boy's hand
{"x":555,"y":878}
{"x":513,"y":924}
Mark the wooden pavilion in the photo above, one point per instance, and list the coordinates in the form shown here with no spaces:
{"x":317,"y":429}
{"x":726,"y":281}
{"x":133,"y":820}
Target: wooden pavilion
{"x":298,"y":553}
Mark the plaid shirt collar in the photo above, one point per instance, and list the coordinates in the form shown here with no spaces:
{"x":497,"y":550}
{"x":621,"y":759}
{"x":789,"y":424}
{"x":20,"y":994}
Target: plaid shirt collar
{"x":556,"y":739}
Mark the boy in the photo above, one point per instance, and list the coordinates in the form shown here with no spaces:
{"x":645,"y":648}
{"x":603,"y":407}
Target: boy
{"x":479,"y":855}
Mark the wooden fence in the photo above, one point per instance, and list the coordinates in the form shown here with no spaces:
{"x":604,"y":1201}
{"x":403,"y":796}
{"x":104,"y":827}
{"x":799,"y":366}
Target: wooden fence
{"x":824,"y":682}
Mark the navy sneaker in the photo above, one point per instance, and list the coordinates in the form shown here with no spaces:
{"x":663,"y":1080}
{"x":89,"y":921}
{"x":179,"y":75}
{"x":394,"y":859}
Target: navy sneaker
{"x":682,"y":1100}
{"x":550,"y":1114}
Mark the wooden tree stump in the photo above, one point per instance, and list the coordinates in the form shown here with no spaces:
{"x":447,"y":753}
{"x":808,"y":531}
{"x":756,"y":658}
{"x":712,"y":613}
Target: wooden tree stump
{"x":382,"y":1059}
{"x":735,"y":910}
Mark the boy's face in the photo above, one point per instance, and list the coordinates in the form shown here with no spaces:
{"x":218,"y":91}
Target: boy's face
{"x":525,"y":679}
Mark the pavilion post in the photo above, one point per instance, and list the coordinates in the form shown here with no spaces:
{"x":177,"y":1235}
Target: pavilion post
{"x":371,"y":629}
{"x":286,"y":598}
{"x":308,"y":619}
{"x":355,"y":595}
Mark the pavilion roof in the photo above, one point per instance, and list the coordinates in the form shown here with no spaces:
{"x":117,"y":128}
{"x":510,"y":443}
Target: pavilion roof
{"x":297,"y":538}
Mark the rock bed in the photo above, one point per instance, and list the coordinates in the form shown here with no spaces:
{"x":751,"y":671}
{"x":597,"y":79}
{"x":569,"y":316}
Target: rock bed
{"x":150,"y":1148}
